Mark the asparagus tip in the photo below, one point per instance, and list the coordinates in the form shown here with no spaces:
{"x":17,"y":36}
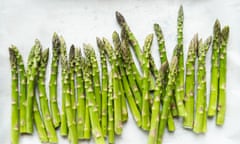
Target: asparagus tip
{"x":120,"y":18}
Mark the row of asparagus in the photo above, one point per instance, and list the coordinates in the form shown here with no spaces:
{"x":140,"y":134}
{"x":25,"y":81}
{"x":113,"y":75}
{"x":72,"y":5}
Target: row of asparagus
{"x":94,"y":97}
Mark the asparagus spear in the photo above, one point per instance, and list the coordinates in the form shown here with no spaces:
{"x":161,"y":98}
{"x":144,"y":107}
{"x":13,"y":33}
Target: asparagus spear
{"x":80,"y":94}
{"x":111,"y":136}
{"x":53,"y":80}
{"x":119,"y":63}
{"x":15,"y":99}
{"x":221,"y":108}
{"x":116,"y":98}
{"x":127,"y":89}
{"x":128,"y":65}
{"x":32,"y":70}
{"x":190,"y":83}
{"x":91,"y":102}
{"x":22,"y":89}
{"x":72,"y":79}
{"x":201,"y":114}
{"x":63,"y":58}
{"x":179,"y":93}
{"x":168,"y":97}
{"x":47,"y":120}
{"x":145,"y":84}
{"x":89,"y":52}
{"x":214,"y":70}
{"x":153,"y":133}
{"x":104,"y":121}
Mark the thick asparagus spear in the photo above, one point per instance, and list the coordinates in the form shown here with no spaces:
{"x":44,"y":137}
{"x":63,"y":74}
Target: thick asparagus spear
{"x":22,"y":89}
{"x":72,"y":79}
{"x":201,"y":109}
{"x":63,"y":58}
{"x":221,"y":108}
{"x":153,"y":133}
{"x":47,"y":120}
{"x":145,"y":84}
{"x":91,"y":56}
{"x":190,"y":83}
{"x":104,"y":121}
{"x":179,"y":93}
{"x":80,"y":94}
{"x":53,"y":80}
{"x":32,"y":70}
{"x":127,"y":89}
{"x":116,"y":97}
{"x":214,"y":69}
{"x":111,"y":134}
{"x":91,"y":102}
{"x":167,"y":99}
{"x":15,"y":99}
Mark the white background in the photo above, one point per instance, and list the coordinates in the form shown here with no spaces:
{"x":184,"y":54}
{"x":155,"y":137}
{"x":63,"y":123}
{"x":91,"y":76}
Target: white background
{"x":81,"y":21}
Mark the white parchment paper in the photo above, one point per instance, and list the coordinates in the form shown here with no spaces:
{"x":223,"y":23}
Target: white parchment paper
{"x":80,"y":21}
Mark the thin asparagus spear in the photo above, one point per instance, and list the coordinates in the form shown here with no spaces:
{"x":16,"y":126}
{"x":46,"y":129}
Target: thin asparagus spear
{"x":221,"y":108}
{"x":119,"y":63}
{"x":91,"y":56}
{"x":94,"y":115}
{"x":127,"y":89}
{"x":164,"y":59}
{"x":116,"y":98}
{"x":104,"y":121}
{"x":22,"y":89}
{"x":179,"y":93}
{"x":32,"y":70}
{"x":63,"y":58}
{"x":14,"y":108}
{"x":68,"y":106}
{"x":214,"y":70}
{"x":167,"y":99}
{"x":47,"y":120}
{"x":190,"y":83}
{"x":153,"y":133}
{"x":201,"y":116}
{"x":72,"y":79}
{"x":128,"y":65}
{"x":145,"y":84}
{"x":53,"y":80}
{"x":111,"y":134}
{"x":80,"y":94}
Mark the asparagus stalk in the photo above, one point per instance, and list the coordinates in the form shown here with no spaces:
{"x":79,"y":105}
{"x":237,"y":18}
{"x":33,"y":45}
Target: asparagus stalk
{"x":53,"y":80}
{"x":116,"y":98}
{"x":14,"y":108}
{"x":119,"y":63}
{"x":221,"y":108}
{"x":104,"y":121}
{"x":32,"y":70}
{"x":128,"y":65}
{"x":127,"y":89}
{"x":111,"y":135}
{"x":179,"y":93}
{"x":89,"y":52}
{"x":145,"y":84}
{"x":80,"y":94}
{"x":214,"y":70}
{"x":63,"y":58}
{"x":22,"y":89}
{"x":190,"y":83}
{"x":153,"y":133}
{"x":94,"y":115}
{"x":201,"y":109}
{"x":167,"y":99}
{"x":72,"y":79}
{"x":47,"y":120}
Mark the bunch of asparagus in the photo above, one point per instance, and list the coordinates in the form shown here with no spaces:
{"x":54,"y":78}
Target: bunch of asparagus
{"x":94,"y":97}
